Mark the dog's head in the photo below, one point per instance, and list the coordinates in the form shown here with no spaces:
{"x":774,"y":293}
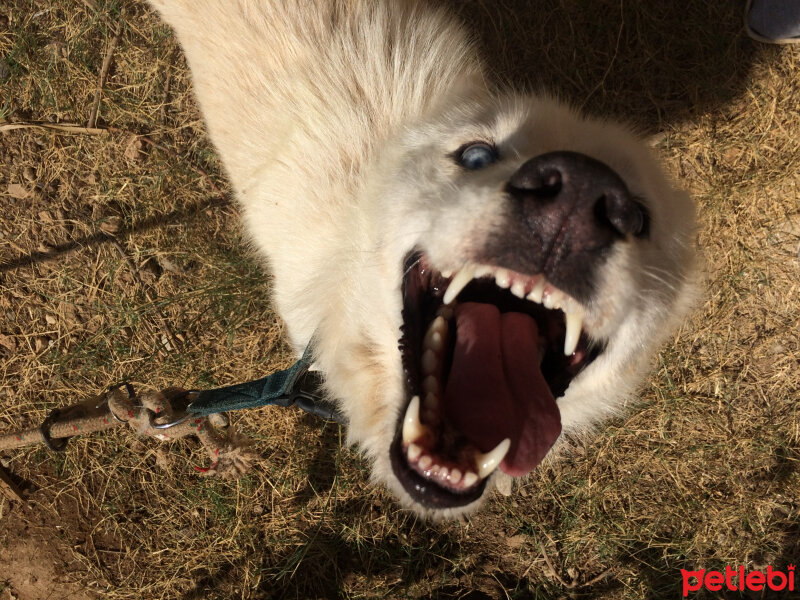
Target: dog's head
{"x":524,"y":264}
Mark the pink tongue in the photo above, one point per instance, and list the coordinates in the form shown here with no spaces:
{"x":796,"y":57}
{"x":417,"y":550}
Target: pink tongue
{"x":496,"y":389}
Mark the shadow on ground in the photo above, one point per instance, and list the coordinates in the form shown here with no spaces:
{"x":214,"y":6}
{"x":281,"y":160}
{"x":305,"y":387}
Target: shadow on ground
{"x":650,"y":63}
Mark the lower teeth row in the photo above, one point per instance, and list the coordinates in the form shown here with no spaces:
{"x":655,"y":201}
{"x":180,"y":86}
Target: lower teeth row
{"x":426,"y":464}
{"x":415,"y":434}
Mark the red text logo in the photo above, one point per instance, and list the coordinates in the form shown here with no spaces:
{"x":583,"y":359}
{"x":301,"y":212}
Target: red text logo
{"x":737,"y":580}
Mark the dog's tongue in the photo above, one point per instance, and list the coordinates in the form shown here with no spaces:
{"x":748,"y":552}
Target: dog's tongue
{"x":496,"y":390}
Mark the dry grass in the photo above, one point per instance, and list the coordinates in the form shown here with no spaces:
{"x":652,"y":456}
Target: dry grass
{"x":705,"y":474}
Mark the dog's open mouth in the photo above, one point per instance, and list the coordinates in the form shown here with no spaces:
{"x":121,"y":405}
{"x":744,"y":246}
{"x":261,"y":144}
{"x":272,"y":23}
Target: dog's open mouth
{"x":486,"y":353}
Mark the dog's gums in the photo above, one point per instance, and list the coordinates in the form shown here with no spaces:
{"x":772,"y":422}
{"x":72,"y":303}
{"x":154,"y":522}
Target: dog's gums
{"x":486,"y":352}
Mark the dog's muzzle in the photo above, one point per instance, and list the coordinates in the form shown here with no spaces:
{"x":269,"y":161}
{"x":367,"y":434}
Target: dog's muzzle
{"x":566,"y":211}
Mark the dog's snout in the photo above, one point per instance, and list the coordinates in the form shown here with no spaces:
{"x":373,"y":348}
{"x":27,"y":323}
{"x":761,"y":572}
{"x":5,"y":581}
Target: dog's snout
{"x":575,"y":189}
{"x":566,"y":210}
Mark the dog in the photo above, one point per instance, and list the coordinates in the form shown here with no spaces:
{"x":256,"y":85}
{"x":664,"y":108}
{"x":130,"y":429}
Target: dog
{"x":480,"y":273}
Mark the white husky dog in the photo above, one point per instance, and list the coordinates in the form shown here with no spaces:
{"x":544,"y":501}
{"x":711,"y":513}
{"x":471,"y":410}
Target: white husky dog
{"x":480,"y":271}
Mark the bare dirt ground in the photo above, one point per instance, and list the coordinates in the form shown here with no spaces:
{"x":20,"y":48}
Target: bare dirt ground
{"x":121,"y":259}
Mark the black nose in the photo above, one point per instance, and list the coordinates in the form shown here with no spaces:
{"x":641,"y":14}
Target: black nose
{"x":565,"y":212}
{"x":567,"y":187}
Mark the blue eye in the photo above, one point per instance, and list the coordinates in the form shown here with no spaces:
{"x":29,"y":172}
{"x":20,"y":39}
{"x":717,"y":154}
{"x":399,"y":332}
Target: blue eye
{"x":477,"y":156}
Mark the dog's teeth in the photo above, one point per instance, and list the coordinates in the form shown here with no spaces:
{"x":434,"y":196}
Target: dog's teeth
{"x":431,"y":401}
{"x":574,"y":324}
{"x":458,"y":283}
{"x":486,"y":463}
{"x":518,"y":289}
{"x":430,"y":385}
{"x":550,"y":300}
{"x":470,"y":479}
{"x":538,"y":289}
{"x":428,"y":362}
{"x":447,"y":274}
{"x":434,"y":338}
{"x":445,"y":312}
{"x":482,"y":271}
{"x":437,"y":343}
{"x":425,"y":462}
{"x":413,"y":452}
{"x":454,"y":476}
{"x":413,"y":429}
{"x":502,"y":278}
{"x":439,"y":325}
{"x":443,"y":473}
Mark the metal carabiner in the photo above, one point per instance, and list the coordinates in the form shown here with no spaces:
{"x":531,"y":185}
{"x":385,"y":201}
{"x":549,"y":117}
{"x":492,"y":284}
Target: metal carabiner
{"x":178,"y":421}
{"x":185,"y":417}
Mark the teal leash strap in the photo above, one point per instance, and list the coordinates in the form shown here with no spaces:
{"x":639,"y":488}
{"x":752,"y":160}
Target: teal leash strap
{"x":280,"y":388}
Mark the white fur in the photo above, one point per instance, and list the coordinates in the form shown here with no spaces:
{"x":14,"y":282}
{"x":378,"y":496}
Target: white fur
{"x":334,"y":121}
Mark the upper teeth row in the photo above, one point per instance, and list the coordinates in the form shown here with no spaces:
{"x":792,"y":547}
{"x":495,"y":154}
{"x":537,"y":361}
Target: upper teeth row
{"x":535,"y":289}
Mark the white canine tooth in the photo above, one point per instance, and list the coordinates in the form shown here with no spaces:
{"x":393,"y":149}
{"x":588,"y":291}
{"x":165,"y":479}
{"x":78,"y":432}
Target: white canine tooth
{"x":454,"y":477}
{"x":413,"y":452}
{"x":447,"y":273}
{"x":428,"y":362}
{"x":443,"y":472}
{"x":538,"y":289}
{"x":502,"y":278}
{"x":574,"y":324}
{"x":413,"y":429}
{"x":486,"y":463}
{"x":425,"y":462}
{"x":430,"y":385}
{"x":470,"y":479}
{"x":518,"y":289}
{"x":458,"y":283}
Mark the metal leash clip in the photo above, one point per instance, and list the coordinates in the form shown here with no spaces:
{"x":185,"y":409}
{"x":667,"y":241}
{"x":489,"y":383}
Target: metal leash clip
{"x":186,"y":396}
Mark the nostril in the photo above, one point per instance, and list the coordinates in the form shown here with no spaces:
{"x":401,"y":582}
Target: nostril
{"x":544,"y":183}
{"x":624,"y":214}
{"x":550,"y":184}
